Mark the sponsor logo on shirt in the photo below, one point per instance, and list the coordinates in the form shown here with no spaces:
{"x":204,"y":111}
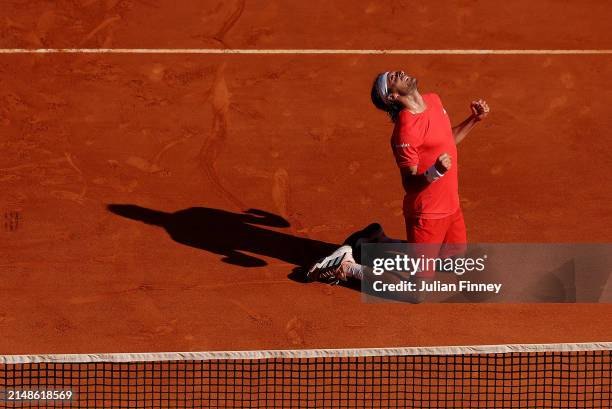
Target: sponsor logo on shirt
{"x":401,"y":145}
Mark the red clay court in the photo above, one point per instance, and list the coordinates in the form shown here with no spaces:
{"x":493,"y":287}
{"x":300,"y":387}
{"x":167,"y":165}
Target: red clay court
{"x":157,"y":197}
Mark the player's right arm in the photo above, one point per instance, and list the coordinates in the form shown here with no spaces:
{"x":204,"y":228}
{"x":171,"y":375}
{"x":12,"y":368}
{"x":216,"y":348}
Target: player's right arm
{"x":414,"y":182}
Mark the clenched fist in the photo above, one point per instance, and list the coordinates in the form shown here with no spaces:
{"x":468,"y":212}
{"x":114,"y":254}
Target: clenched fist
{"x":480,"y":109}
{"x":444,"y":162}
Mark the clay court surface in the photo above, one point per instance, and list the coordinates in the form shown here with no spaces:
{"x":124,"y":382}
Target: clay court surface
{"x":181,"y":146}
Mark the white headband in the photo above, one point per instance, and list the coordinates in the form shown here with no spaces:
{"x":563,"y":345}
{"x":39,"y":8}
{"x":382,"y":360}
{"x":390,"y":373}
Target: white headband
{"x":381,"y":86}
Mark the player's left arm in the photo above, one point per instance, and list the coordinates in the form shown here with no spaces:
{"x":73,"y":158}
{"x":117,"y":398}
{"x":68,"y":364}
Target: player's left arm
{"x":480,"y":110}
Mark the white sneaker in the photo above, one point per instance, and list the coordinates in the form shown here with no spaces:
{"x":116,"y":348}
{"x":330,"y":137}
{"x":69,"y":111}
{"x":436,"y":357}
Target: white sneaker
{"x":333,"y":268}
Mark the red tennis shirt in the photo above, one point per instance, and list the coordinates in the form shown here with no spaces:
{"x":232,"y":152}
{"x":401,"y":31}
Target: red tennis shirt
{"x":418,"y":140}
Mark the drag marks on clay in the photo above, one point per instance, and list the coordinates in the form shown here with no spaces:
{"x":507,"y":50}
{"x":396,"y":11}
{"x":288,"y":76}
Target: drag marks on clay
{"x":281,"y":195}
{"x":280,"y":191}
{"x":144,"y":165}
{"x":187,"y":135}
{"x":253,"y":172}
{"x":103,"y":25}
{"x":163,"y":329}
{"x":184,"y":76}
{"x":167,"y":328}
{"x":261,"y":320}
{"x":15,"y":31}
{"x":220,"y":100}
{"x":147,"y":288}
{"x":33,"y":143}
{"x":108,"y":13}
{"x":215,"y":141}
{"x":48,"y":173}
{"x":213,"y":145}
{"x":228,"y":13}
{"x":249,"y":113}
{"x":230,"y":22}
{"x":70,"y":195}
{"x":88,"y":22}
{"x":105,"y":296}
{"x":295,"y":331}
{"x":116,"y":180}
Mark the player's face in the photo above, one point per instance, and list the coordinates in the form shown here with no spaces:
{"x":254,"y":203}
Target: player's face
{"x":401,"y":83}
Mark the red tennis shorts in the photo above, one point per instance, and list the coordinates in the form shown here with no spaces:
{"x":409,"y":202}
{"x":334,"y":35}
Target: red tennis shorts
{"x":447,"y":236}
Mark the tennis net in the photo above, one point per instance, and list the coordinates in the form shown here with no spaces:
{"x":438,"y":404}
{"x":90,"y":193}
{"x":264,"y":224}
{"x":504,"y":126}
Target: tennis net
{"x":502,"y":376}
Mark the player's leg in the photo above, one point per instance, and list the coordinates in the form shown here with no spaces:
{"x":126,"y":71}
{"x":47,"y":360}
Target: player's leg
{"x":328,"y":267}
{"x":373,"y":233}
{"x":430,"y":231}
{"x":455,"y":239}
{"x":341,"y":266}
{"x":454,"y":243}
{"x":426,"y":237}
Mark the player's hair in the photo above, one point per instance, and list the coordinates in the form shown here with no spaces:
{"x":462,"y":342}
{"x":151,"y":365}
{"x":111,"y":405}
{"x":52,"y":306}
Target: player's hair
{"x":390,"y":108}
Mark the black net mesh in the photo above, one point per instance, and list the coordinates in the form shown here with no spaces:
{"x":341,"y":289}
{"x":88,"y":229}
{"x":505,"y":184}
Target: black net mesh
{"x":492,"y":380}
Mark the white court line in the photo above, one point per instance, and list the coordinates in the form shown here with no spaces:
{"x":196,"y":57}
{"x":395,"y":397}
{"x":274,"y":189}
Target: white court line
{"x":292,"y":51}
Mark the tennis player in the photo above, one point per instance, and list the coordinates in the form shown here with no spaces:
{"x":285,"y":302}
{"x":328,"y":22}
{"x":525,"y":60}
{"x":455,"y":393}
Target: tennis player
{"x":424,"y":145}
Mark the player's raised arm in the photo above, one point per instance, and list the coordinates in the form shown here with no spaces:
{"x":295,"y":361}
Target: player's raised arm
{"x":414,"y":182}
{"x":480,"y":110}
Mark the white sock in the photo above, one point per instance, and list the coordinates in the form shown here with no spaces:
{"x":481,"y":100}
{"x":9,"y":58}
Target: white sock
{"x":354,"y":270}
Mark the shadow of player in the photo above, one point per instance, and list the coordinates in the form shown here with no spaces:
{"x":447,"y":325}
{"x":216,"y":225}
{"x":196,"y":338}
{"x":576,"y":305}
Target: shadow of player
{"x":230,"y":234}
